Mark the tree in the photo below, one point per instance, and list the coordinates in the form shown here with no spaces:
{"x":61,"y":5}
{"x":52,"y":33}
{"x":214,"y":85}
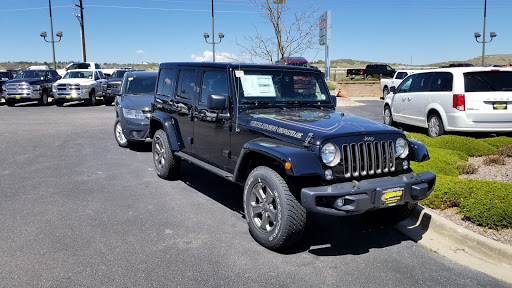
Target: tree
{"x":294,"y":32}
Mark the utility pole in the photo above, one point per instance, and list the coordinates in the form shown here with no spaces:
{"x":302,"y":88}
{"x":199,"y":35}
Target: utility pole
{"x":53,"y":42}
{"x":81,"y":21}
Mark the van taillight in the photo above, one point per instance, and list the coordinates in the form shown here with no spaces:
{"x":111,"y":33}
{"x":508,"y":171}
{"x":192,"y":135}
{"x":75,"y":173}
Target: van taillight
{"x":459,"y":102}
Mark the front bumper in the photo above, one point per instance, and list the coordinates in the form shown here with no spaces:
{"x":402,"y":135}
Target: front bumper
{"x":70,"y":95}
{"x":22,"y":96}
{"x":135,"y":129}
{"x":359,"y":197}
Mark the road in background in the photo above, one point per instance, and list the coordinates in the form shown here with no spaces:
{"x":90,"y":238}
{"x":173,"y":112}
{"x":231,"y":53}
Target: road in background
{"x":77,"y":210}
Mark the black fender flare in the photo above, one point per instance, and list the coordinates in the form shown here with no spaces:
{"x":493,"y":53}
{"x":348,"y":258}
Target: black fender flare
{"x":303,"y":162}
{"x":418,"y":151}
{"x":170,"y":126}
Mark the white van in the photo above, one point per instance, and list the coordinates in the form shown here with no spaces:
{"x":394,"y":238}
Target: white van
{"x":470,"y":99}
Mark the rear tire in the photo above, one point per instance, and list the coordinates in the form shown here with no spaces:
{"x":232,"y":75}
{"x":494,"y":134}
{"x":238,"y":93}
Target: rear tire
{"x":388,"y":117}
{"x":166,"y":164}
{"x":435,"y":126}
{"x":275,"y":218}
{"x":385,"y":92}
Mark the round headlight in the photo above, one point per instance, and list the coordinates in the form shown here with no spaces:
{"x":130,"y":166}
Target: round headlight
{"x":401,"y":148}
{"x":330,"y":154}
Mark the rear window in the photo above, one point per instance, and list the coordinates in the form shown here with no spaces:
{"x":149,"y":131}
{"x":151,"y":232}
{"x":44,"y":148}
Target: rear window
{"x":400,"y":75}
{"x":488,"y":81}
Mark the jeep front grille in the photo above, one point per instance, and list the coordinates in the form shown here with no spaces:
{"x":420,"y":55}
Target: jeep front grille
{"x":361,"y":159}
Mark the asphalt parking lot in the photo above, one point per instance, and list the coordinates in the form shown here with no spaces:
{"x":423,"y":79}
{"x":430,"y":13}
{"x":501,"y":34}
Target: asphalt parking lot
{"x":78,"y":210}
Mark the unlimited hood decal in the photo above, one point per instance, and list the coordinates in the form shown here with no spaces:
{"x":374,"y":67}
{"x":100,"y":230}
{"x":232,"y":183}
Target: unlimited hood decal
{"x":330,"y":129}
{"x":276,"y":129}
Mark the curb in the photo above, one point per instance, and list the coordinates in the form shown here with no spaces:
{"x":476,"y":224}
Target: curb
{"x":458,"y":243}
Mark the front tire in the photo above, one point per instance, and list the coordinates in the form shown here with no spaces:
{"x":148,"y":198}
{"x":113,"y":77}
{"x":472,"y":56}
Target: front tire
{"x":435,"y":126}
{"x":166,"y":164}
{"x":10,"y":103}
{"x":92,"y":101}
{"x":44,"y":98}
{"x":118,"y":133}
{"x":276,"y":219}
{"x":59,"y":103}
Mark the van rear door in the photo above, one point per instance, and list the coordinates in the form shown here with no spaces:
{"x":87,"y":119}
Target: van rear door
{"x":488,"y":96}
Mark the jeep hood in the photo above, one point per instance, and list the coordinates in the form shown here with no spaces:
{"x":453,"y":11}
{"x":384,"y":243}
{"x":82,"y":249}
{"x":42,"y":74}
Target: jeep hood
{"x":298,"y":123}
{"x":137,"y":102}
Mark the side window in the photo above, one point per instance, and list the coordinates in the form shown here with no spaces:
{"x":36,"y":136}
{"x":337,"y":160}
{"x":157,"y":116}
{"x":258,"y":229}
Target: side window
{"x":400,"y":75}
{"x":55,"y":75}
{"x":101,"y":75}
{"x":97,"y":66}
{"x":442,"y":81}
{"x":187,"y":84}
{"x":421,"y":82}
{"x":405,"y":85}
{"x":49,"y":75}
{"x":214,"y":83}
{"x":166,"y":82}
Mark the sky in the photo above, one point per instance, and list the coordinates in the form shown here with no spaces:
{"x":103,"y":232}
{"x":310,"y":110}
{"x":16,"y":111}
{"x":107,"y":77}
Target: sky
{"x":416,"y":32}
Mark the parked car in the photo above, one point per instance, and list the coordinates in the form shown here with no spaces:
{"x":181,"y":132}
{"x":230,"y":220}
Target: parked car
{"x":80,"y":85}
{"x":133,"y":107}
{"x":371,"y":71}
{"x":293,"y":61}
{"x":30,"y":85}
{"x":289,"y":148}
{"x":386,"y":84}
{"x":453,"y":99}
{"x":114,"y":82}
{"x":461,"y":65}
{"x":79,"y":65}
{"x":4,"y":77}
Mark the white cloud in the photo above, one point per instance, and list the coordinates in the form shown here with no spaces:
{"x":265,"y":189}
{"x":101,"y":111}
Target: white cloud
{"x":139,"y":51}
{"x":219,"y":57}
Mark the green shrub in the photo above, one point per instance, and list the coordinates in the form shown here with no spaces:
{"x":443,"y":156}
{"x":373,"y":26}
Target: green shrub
{"x":448,"y":192}
{"x":490,"y":205}
{"x":442,"y":162}
{"x":358,"y":79}
{"x":466,"y":145}
{"x":498,"y":142}
{"x":466,"y":168}
{"x":373,"y":79}
{"x":418,"y":137}
{"x":331,"y":86}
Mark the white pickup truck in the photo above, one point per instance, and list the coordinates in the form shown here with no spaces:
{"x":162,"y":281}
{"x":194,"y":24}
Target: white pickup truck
{"x":78,"y":85}
{"x":386,"y":84}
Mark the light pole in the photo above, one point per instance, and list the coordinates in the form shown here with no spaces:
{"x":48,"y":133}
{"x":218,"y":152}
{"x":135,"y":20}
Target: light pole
{"x":477,"y":35}
{"x":278,"y":18}
{"x":206,"y":36}
{"x":59,"y":34}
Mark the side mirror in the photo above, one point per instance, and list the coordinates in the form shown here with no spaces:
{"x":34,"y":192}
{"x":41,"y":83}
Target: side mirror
{"x":333,"y":99}
{"x":96,"y":78}
{"x":216,"y":102}
{"x":59,"y":77}
{"x":392,"y":89}
{"x":114,"y":91}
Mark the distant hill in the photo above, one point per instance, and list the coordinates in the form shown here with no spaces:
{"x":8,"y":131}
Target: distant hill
{"x":501,"y":59}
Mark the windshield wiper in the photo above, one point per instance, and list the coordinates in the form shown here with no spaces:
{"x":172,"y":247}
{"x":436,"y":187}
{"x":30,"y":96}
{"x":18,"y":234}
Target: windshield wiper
{"x":304,"y":103}
{"x":255,"y":102}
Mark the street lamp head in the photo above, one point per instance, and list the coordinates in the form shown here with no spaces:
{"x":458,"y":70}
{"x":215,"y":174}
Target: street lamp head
{"x":221,"y":35}
{"x":206,"y":35}
{"x":493,"y":35}
{"x":477,"y":35}
{"x":59,"y":34}
{"x":43,"y":34}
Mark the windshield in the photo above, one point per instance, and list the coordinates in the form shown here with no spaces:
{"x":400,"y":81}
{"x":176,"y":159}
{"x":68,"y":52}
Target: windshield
{"x":4,"y":75}
{"x":118,"y":74}
{"x":282,"y":87}
{"x":140,"y":85}
{"x":488,"y":81}
{"x":30,"y":74}
{"x":75,"y":66}
{"x":78,"y":74}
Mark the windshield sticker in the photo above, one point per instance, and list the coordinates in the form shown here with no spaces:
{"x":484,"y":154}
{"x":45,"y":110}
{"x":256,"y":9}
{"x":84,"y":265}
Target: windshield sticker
{"x":276,"y":129}
{"x":239,"y":73}
{"x":258,"y":86}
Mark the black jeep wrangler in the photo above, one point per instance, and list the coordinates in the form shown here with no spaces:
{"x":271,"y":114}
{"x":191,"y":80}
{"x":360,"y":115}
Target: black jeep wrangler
{"x":275,"y":130}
